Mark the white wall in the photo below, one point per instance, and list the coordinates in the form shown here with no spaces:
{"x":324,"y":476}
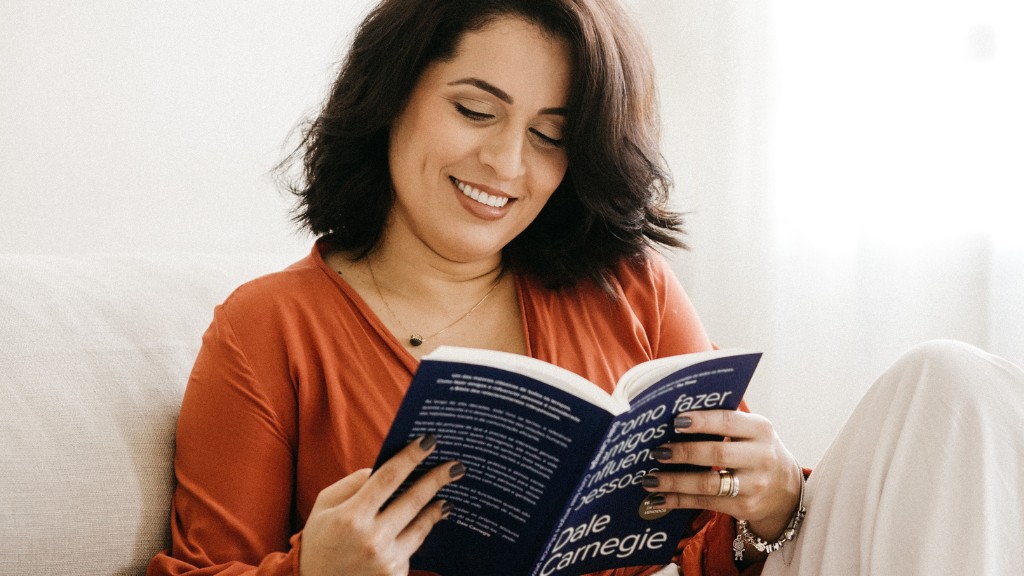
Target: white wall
{"x":137,"y":126}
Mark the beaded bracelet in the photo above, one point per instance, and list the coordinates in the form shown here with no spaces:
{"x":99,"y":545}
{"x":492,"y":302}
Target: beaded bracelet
{"x":745,"y":536}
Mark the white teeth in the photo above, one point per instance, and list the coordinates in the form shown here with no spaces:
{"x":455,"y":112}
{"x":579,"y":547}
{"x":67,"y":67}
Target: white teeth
{"x":481,"y":196}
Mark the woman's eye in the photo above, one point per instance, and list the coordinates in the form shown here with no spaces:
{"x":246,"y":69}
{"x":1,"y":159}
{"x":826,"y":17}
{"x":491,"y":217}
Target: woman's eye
{"x":472,"y":114}
{"x":547,"y":139}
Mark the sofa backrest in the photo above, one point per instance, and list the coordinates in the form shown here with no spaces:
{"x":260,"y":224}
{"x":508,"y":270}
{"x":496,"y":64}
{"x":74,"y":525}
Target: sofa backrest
{"x":95,"y":352}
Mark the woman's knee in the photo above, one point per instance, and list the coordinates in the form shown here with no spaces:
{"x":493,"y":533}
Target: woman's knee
{"x":946,"y":356}
{"x":951,"y":369}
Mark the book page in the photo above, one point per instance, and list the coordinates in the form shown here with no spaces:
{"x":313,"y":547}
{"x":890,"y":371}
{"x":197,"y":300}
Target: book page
{"x":545,"y":372}
{"x":638,"y":378}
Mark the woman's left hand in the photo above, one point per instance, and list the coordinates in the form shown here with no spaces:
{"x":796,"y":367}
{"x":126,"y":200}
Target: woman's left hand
{"x":769,"y":478}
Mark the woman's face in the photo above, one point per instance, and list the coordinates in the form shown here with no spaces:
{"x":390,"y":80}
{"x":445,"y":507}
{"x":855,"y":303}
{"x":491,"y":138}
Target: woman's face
{"x":478,"y":150}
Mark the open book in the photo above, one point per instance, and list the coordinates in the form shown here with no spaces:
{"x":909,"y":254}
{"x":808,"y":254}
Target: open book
{"x":554,"y":462}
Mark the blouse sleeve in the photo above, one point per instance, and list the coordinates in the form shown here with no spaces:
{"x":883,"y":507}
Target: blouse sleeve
{"x":673,"y":325}
{"x":234,"y":465}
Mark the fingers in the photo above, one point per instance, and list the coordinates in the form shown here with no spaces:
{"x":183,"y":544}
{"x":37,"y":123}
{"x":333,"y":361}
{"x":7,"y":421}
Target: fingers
{"x":407,"y":509}
{"x":748,"y":435}
{"x":370,"y":492}
{"x":737,"y":507}
{"x":753,"y":454}
{"x":731,"y":423}
{"x":412,"y":537}
{"x":347,"y":532}
{"x":411,"y":512}
{"x":714,"y":453}
{"x":343,"y":489}
{"x":700,"y":490}
{"x":390,"y":476}
{"x":704,"y":484}
{"x":767,"y":498}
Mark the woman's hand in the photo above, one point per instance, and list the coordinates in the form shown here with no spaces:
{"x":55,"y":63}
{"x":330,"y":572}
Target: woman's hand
{"x":347,"y":532}
{"x":768,"y":474}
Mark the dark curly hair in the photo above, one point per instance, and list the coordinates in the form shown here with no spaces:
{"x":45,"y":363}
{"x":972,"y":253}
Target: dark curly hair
{"x":612,"y":203}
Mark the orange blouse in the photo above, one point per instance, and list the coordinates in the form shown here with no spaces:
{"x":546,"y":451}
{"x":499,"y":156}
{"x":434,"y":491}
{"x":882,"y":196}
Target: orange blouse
{"x":297,"y":382}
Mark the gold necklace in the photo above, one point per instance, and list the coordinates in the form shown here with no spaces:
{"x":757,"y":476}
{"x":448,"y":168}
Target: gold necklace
{"x":415,"y":339}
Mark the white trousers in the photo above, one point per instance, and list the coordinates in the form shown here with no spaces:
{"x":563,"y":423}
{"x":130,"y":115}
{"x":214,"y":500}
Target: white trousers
{"x":926,"y":477}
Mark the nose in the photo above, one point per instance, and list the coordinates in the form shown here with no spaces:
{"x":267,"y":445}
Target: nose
{"x":503,"y":153}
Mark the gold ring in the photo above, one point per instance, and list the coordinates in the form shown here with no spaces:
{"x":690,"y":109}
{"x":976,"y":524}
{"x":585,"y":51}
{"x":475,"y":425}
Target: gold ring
{"x":725,"y":482}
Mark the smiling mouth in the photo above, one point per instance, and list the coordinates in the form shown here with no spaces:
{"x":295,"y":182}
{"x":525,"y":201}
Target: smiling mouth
{"x":479,"y":195}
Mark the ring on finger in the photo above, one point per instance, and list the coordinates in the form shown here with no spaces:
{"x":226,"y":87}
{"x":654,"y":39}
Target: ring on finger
{"x":725,"y":482}
{"x":735,"y":490}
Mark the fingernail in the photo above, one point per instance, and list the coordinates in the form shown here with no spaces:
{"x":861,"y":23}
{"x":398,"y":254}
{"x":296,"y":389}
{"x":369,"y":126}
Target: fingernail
{"x":682,"y":422}
{"x":661,"y":453}
{"x":428,"y":440}
{"x":649,"y":481}
{"x":446,"y":508}
{"x":458,"y":469}
{"x":656,"y":500}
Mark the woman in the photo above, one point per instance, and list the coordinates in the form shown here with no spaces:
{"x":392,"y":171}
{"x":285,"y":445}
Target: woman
{"x":486,"y":174}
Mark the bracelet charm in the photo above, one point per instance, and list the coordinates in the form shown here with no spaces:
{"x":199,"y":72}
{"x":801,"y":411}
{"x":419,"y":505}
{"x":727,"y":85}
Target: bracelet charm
{"x":744,"y":536}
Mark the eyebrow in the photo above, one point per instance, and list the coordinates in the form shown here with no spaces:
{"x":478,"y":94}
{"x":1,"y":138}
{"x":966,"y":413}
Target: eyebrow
{"x":502,"y":95}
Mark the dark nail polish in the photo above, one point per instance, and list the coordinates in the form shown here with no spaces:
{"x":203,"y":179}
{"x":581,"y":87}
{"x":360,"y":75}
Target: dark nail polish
{"x":682,"y":422}
{"x":661,"y":453}
{"x":447,"y":508}
{"x":458,"y":469}
{"x":650,"y":481}
{"x":428,"y":440}
{"x":656,"y":500}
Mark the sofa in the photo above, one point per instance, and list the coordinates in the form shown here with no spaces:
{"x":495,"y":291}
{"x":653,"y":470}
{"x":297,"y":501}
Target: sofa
{"x":95,"y":352}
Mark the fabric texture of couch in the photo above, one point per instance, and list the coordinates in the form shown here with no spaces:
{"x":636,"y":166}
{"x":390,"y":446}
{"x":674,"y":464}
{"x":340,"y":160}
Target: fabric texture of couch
{"x":95,"y":352}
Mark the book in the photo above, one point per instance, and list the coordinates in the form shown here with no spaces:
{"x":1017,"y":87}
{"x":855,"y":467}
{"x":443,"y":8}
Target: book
{"x":554,"y":463}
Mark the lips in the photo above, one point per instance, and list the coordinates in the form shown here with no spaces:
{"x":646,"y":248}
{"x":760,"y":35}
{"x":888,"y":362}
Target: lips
{"x":480,"y":196}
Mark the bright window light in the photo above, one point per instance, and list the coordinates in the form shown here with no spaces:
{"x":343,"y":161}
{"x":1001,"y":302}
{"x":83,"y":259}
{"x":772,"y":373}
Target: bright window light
{"x":897,"y":121}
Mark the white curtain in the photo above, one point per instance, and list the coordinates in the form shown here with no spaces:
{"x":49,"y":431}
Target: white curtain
{"x":854,"y":175}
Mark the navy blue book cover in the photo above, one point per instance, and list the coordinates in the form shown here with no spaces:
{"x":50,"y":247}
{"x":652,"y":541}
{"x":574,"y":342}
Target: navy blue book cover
{"x":553,"y":481}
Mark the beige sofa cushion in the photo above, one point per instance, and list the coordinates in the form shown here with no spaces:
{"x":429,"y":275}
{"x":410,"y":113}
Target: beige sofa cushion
{"x":94,"y":355}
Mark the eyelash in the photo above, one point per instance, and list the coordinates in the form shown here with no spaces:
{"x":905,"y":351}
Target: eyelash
{"x":472,"y":114}
{"x":481,"y":116}
{"x":548,"y":139}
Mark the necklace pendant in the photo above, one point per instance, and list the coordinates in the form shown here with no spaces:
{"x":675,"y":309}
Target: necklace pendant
{"x":415,"y":339}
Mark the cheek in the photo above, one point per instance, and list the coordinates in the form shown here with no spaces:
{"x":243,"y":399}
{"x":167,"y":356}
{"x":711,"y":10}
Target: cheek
{"x":447,"y":145}
{"x":423,"y":141}
{"x":550,"y":174}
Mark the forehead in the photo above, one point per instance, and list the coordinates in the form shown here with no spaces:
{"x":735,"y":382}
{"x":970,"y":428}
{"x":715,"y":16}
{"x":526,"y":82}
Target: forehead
{"x":517,"y":56}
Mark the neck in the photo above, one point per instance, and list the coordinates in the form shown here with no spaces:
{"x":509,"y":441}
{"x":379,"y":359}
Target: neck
{"x":422,"y":274}
{"x":441,"y":298}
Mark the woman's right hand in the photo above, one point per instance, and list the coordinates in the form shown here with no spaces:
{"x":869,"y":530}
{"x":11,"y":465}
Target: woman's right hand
{"x":347,"y":532}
